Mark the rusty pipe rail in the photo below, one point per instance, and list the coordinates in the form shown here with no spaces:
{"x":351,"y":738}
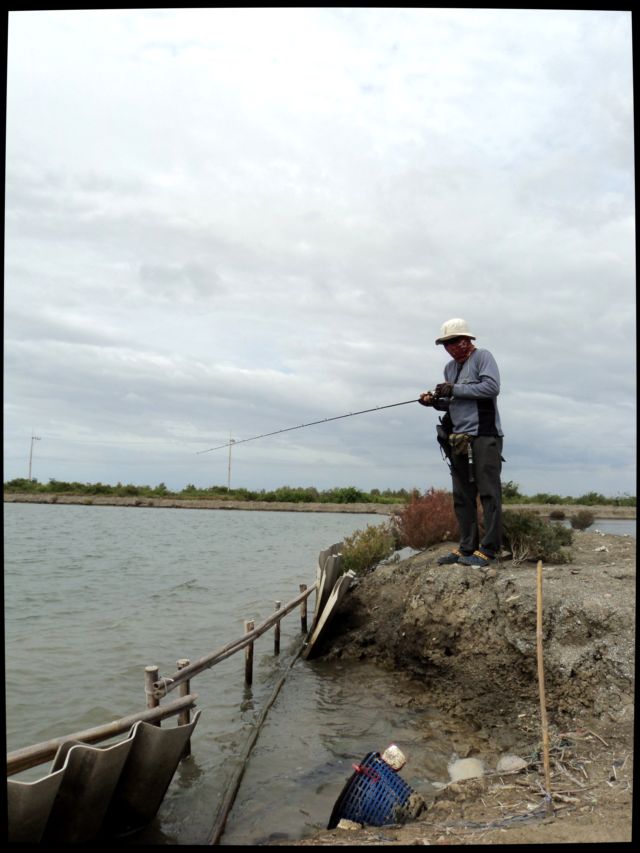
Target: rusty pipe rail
{"x":165,"y":685}
{"x":31,"y":756}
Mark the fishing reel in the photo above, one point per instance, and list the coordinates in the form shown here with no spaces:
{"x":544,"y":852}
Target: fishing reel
{"x":440,"y":392}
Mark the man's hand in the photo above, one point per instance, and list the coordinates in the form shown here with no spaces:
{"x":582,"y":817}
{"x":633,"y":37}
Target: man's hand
{"x":445,"y":389}
{"x":426,"y":398}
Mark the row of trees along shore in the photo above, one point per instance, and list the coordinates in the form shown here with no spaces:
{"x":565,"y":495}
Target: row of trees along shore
{"x":290,"y":494}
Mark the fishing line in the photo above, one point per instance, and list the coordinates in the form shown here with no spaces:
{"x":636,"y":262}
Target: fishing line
{"x":230,"y":797}
{"x":301,"y":426}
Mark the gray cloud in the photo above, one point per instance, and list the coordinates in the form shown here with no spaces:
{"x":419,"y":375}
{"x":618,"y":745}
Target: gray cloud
{"x":210,"y":231}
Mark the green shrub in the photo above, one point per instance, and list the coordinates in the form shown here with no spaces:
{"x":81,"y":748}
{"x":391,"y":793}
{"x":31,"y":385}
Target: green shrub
{"x":557,"y":514}
{"x":288,"y":494}
{"x":529,"y":537}
{"x":623,"y":500}
{"x":545,"y":498}
{"x":190,"y":490}
{"x":59,"y":486}
{"x":582,"y":519}
{"x":345,"y":495}
{"x":129,"y":490}
{"x":510,"y":491}
{"x":21,"y":484}
{"x":364,"y":549}
{"x":97,"y":489}
{"x":591,"y":499}
{"x":426,"y":520}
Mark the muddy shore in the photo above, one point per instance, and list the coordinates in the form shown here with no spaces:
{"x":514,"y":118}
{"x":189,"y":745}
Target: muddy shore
{"x":604,"y":511}
{"x":468,"y":640}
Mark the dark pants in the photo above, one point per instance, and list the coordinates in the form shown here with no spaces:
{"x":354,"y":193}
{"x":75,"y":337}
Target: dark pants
{"x":487,"y":467}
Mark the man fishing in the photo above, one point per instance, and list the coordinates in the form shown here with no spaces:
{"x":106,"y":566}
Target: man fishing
{"x":471,"y":436}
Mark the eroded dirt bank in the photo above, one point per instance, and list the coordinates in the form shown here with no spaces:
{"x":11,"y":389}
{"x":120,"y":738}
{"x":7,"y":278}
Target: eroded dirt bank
{"x":222,"y":503}
{"x":468,"y":638}
{"x":604,"y":511}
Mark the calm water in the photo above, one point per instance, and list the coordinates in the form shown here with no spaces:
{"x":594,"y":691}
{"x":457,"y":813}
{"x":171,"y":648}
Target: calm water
{"x":94,"y":594}
{"x":618,"y":526}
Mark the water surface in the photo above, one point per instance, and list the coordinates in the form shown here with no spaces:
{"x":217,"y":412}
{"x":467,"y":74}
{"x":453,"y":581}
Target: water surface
{"x":95,"y":594}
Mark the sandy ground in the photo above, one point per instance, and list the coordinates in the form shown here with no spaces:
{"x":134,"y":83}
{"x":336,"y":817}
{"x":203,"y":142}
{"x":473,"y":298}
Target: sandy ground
{"x":467,"y":638}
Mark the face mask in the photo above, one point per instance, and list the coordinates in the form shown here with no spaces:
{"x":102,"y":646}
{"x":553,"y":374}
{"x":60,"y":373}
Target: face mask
{"x":461,"y":350}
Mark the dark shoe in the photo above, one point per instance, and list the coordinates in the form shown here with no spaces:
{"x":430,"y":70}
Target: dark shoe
{"x":450,"y":559}
{"x":477,"y":559}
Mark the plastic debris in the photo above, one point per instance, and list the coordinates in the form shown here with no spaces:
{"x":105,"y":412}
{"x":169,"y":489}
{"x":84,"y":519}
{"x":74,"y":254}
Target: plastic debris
{"x":343,"y":823}
{"x":376,"y":794}
{"x":465,"y":768}
{"x":394,"y":757}
{"x":509,"y":763}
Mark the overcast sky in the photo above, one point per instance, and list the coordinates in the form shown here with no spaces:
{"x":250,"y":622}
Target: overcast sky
{"x":226,"y":222}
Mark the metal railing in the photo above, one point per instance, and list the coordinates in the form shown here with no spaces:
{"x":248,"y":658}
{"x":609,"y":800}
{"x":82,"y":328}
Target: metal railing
{"x":156,"y":688}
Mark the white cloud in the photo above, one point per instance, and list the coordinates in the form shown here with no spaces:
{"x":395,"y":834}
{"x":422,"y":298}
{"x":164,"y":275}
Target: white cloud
{"x":246,"y":219}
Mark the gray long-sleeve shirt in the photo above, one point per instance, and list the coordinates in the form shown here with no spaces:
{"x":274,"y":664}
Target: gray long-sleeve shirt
{"x":473,"y":407}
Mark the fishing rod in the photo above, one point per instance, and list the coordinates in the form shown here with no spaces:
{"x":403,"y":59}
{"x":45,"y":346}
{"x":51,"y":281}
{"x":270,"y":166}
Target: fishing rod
{"x":301,"y":426}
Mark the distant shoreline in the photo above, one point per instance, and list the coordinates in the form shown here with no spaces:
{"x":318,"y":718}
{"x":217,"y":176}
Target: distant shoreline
{"x":605,"y":511}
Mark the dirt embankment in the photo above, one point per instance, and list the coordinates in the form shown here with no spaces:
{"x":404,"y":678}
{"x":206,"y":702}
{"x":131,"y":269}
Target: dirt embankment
{"x":604,"y":511}
{"x":185,"y":503}
{"x":468,"y":638}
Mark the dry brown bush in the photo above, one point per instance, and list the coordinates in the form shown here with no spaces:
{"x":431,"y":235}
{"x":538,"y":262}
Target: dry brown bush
{"x":426,"y":520}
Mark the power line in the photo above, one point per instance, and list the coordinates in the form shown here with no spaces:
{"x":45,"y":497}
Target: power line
{"x":302,"y":426}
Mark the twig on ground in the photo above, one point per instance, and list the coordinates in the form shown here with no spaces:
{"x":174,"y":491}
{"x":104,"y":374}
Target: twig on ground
{"x":601,"y":739}
{"x":564,"y":770}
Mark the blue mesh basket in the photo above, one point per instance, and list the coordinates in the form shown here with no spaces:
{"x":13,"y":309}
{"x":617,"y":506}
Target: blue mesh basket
{"x":373,"y":795}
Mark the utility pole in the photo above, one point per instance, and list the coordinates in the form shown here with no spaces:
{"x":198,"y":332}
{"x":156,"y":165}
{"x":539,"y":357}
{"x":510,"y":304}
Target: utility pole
{"x":33,"y":438}
{"x":231,"y":441}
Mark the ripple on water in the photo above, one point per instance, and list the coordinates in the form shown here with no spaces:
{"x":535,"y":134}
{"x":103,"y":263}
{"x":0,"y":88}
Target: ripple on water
{"x":111,"y":590}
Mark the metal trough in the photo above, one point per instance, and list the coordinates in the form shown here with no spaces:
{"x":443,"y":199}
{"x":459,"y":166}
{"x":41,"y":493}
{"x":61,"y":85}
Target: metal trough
{"x":98,"y":791}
